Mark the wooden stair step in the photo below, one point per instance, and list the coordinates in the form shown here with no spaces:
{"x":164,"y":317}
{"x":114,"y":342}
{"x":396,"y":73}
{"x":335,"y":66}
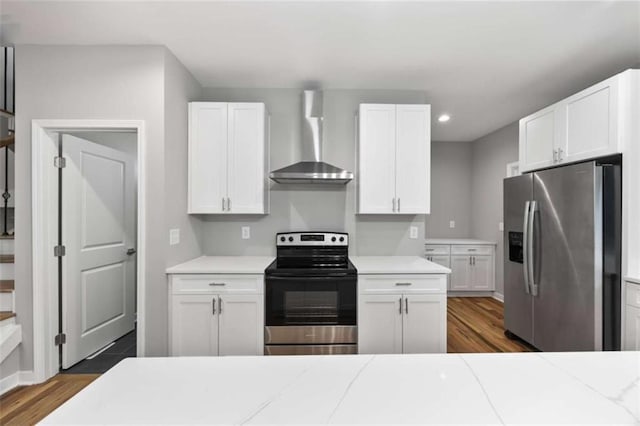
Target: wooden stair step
{"x":6,"y":315}
{"x":6,"y":258}
{"x":9,"y":140}
{"x":7,"y":286}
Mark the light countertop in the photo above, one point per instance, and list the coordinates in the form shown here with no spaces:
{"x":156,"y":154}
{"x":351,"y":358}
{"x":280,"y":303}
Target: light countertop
{"x":461,"y":241}
{"x":223,"y":265}
{"x":396,"y":265}
{"x":535,"y":388}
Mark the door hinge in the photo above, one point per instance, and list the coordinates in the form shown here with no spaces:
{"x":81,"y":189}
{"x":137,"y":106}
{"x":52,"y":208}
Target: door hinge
{"x":60,"y":339}
{"x":59,"y":251}
{"x":59,"y":162}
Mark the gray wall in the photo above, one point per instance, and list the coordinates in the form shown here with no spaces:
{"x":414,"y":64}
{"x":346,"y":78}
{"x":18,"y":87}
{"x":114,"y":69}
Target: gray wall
{"x":304,"y":207}
{"x":490,"y":156}
{"x":104,"y":82}
{"x":451,"y":167}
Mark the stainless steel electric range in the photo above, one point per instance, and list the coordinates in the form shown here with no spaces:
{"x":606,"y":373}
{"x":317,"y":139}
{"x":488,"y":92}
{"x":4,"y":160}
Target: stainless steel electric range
{"x":311,"y":294}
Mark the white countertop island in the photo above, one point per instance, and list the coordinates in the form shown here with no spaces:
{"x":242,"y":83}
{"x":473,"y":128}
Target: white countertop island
{"x":396,"y":265}
{"x":223,"y":265}
{"x":538,"y":388}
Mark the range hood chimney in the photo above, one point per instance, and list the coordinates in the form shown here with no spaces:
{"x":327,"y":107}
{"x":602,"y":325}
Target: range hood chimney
{"x":312,"y":169}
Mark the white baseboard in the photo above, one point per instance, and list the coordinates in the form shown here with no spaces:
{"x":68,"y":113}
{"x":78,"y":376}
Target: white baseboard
{"x":498,"y":296}
{"x":19,"y":378}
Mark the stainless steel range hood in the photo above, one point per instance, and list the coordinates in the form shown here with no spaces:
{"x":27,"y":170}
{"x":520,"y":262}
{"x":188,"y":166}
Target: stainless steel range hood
{"x":313,"y":169}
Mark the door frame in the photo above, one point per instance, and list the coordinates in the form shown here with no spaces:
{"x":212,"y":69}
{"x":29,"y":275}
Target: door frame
{"x":44,"y":229}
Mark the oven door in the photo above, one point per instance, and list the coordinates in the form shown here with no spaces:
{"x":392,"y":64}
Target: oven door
{"x":310,"y":300}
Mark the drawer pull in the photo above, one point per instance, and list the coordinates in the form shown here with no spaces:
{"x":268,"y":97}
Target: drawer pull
{"x":403,"y":283}
{"x":217,"y":284}
{"x":429,"y":249}
{"x":472,"y":249}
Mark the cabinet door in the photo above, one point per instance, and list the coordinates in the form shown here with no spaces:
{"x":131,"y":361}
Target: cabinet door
{"x":377,"y":159}
{"x":207,"y":156}
{"x":241,"y":319}
{"x":632,"y":328}
{"x":537,"y":139}
{"x":590,"y":120}
{"x":482,"y":273}
{"x":380,"y":324}
{"x":194,"y":325}
{"x":413,"y":158}
{"x":460,"y":278}
{"x":246,"y":165}
{"x":424,"y":328}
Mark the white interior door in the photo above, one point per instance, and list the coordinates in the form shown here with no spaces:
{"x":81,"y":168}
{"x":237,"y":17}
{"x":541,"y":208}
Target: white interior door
{"x":98,"y":227}
{"x":413,"y":158}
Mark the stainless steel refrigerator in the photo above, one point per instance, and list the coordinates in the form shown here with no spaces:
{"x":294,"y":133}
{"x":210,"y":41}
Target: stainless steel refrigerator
{"x":562,"y":257}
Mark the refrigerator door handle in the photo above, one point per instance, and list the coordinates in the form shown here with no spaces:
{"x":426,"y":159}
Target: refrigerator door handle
{"x":531,"y":261}
{"x":525,"y":246}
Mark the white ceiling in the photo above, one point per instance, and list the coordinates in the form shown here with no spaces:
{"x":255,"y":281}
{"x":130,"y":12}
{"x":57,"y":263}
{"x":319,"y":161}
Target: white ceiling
{"x":485,"y":63}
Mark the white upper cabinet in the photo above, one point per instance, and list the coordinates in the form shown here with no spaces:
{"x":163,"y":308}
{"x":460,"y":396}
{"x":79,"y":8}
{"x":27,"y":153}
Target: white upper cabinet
{"x":584,"y":126}
{"x":537,"y":135}
{"x":394,"y":159}
{"x":228,"y":158}
{"x":377,"y":159}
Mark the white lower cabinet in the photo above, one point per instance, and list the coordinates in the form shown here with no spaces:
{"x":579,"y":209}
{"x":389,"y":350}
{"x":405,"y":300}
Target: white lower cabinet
{"x":631,"y":340}
{"x":472,"y":266}
{"x":216,"y":315}
{"x":402,"y":314}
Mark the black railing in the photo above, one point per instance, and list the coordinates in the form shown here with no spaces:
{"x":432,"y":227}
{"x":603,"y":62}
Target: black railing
{"x":8,"y":105}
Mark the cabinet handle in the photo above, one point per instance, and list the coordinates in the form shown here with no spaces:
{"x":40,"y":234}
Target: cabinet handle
{"x":470,"y":261}
{"x":429,"y":249}
{"x":472,"y":249}
{"x":393,"y":201}
{"x":223,"y":209}
{"x":555,"y":156}
{"x":559,"y":154}
{"x":213,"y":305}
{"x":398,"y":205}
{"x":400,"y":303}
{"x":406,"y":305}
{"x":219,"y":305}
{"x":217,"y":284}
{"x":228,"y":204}
{"x":474,"y":261}
{"x":403,"y":283}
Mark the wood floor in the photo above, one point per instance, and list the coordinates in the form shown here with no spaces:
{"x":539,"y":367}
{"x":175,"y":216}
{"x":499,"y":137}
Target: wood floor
{"x":28,"y":405}
{"x":473,"y":324}
{"x":476,"y":324}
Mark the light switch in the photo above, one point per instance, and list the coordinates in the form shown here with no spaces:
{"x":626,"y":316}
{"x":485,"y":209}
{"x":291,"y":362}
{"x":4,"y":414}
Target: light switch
{"x":452,"y":224}
{"x":413,"y":232}
{"x":174,"y":236}
{"x":501,"y":226}
{"x":246,"y":232}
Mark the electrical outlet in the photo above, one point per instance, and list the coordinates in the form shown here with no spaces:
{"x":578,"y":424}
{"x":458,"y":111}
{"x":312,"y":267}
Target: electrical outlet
{"x":501,"y":226}
{"x":413,"y":232}
{"x":246,"y":232}
{"x":174,"y":236}
{"x":452,"y":224}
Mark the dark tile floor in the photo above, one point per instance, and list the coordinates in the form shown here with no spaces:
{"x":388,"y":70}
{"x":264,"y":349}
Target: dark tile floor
{"x":125,"y":347}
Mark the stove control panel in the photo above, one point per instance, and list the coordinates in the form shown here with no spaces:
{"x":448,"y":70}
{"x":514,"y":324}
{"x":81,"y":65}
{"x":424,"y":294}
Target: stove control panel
{"x":312,"y":239}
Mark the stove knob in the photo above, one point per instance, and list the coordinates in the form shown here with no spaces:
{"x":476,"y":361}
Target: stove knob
{"x":341,"y":239}
{"x":282,"y":239}
{"x":290,"y":239}
{"x":333,"y":239}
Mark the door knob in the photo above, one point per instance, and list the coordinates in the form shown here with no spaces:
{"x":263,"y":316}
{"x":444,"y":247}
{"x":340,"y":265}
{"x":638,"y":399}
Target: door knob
{"x":131,"y":252}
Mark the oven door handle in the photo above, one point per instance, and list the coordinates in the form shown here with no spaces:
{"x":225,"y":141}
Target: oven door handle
{"x":313,"y":277}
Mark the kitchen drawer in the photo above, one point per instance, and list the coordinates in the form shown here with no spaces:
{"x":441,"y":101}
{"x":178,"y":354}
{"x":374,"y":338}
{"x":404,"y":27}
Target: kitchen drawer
{"x":202,"y":284}
{"x":471,"y":250}
{"x":431,"y":249}
{"x":633,"y":294}
{"x":378,"y":284}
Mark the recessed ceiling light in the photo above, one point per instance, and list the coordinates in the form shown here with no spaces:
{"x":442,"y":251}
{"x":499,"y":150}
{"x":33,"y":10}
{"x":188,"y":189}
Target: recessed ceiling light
{"x":444,"y":118}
